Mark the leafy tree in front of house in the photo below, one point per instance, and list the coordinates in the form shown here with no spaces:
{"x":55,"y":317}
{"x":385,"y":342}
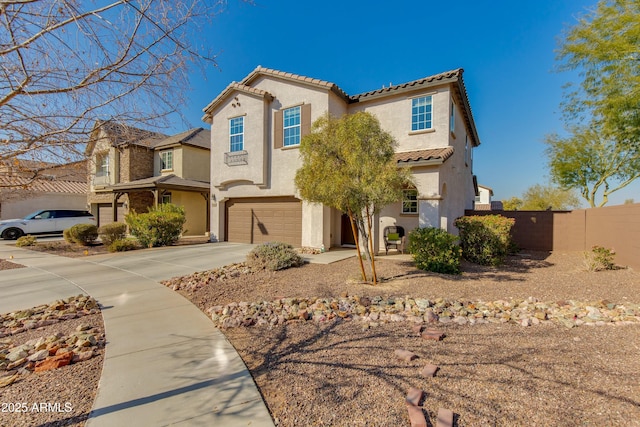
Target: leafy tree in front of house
{"x":602,"y":113}
{"x":347,"y":164}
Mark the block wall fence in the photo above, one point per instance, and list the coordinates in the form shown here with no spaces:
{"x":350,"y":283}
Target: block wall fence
{"x":613,"y":227}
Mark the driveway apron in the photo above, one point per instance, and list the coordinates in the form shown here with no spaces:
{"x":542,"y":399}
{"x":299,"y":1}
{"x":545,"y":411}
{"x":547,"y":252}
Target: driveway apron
{"x":165,"y":363}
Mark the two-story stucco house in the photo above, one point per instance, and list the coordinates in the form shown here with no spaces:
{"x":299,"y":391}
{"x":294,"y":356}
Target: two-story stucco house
{"x":133,"y":169}
{"x":256,"y":128}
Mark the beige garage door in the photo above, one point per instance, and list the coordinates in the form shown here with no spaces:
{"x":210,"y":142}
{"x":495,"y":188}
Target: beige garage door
{"x":265,"y":219}
{"x":105,"y":213}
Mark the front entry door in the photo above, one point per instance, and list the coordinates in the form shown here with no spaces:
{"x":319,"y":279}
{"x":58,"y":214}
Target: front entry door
{"x":347,"y":238}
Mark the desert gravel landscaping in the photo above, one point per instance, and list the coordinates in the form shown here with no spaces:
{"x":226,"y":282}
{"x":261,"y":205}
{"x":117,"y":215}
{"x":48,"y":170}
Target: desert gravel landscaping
{"x":343,"y":372}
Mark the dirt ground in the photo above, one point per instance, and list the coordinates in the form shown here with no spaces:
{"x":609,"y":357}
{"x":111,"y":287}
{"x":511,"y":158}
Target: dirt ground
{"x":338,"y":373}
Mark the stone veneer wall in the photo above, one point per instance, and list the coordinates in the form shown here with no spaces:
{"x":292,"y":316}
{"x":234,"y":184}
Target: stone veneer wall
{"x":136,"y":163}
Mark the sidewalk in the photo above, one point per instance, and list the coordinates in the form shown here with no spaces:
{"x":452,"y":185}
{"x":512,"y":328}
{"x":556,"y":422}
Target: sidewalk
{"x":165,"y":362}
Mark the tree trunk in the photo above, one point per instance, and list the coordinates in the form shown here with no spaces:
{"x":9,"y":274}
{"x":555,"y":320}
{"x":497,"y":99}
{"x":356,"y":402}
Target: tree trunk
{"x":355,"y":237}
{"x":371,"y":249}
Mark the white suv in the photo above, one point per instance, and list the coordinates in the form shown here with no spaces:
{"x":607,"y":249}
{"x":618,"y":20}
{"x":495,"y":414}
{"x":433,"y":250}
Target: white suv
{"x":49,"y":221}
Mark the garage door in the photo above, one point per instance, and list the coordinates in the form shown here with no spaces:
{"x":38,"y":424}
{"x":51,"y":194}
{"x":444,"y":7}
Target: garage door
{"x":265,"y":219}
{"x":105,"y":213}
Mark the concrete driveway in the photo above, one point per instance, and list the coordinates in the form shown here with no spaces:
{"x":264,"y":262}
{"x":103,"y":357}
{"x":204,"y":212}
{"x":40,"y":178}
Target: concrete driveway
{"x":171,"y":261}
{"x":165,"y":362}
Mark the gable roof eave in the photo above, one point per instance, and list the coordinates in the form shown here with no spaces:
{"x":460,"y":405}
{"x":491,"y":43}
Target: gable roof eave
{"x":296,"y":78}
{"x":233,"y":87}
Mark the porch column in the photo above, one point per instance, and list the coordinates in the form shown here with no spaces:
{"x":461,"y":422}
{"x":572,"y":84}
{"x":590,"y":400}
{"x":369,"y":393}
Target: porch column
{"x":114,"y":206}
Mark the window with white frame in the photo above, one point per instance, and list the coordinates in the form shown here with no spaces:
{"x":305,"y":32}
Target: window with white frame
{"x":102,"y":164}
{"x":166,"y":198}
{"x":236,"y":134}
{"x":166,"y":160}
{"x":291,"y":126}
{"x":410,"y":201}
{"x":421,"y":114}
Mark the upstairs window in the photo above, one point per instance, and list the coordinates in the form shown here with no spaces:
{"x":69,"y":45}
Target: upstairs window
{"x":421,"y":115}
{"x":102,"y":164}
{"x":236,"y":134}
{"x":166,"y":160}
{"x":410,"y":201}
{"x":291,"y":126}
{"x":452,"y":118}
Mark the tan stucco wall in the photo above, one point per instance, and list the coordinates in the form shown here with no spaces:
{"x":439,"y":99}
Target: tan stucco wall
{"x":394,"y":114}
{"x":195,"y":211}
{"x":321,"y":226}
{"x":188,"y":162}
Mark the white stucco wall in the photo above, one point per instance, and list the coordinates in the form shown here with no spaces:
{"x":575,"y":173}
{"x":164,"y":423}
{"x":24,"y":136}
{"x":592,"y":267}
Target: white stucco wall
{"x":19,"y":208}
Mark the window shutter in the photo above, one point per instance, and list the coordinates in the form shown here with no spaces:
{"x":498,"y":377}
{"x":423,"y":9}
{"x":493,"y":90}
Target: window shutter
{"x":277,"y":134}
{"x":305,"y":120}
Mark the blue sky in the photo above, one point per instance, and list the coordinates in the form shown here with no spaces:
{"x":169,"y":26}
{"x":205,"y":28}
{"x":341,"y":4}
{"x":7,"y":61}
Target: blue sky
{"x":506,"y":47}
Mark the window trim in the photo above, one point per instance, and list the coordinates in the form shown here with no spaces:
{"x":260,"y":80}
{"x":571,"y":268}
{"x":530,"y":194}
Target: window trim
{"x":164,"y":162}
{"x":239,"y":134}
{"x":415,"y":114}
{"x":285,"y":127}
{"x":406,"y":200}
{"x":101,"y":163}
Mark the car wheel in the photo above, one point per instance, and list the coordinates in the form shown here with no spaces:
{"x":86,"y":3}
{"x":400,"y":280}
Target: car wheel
{"x":12,"y":234}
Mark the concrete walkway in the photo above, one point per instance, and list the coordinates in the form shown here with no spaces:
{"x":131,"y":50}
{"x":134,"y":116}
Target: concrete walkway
{"x":165,"y":363}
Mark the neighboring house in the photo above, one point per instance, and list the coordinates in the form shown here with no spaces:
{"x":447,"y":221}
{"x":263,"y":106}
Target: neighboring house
{"x":484,"y":202}
{"x":131,"y":169}
{"x":23,"y":191}
{"x":256,"y":127}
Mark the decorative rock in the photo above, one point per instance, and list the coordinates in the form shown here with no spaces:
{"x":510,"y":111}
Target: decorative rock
{"x":430,"y":316}
{"x":405,"y":355}
{"x":54,"y":362}
{"x":433,"y":334}
{"x":429,"y":371}
{"x":414,"y":396}
{"x":416,"y":416}
{"x":38,"y":356}
{"x":445,"y":418}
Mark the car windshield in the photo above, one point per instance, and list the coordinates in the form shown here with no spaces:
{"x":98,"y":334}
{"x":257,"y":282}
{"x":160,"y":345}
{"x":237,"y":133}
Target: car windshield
{"x":33,"y":214}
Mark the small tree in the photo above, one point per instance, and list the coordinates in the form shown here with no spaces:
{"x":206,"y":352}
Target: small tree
{"x":347,"y":164}
{"x":542,"y":197}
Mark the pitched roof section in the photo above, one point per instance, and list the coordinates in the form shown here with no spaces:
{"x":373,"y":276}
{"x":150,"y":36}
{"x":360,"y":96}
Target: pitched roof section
{"x":120,"y":134}
{"x":197,"y":137}
{"x":449,"y":77}
{"x":294,"y":78}
{"x":437,"y":79}
{"x":43,"y":185}
{"x":163,"y":181}
{"x":435,"y":155}
{"x":233,"y":86}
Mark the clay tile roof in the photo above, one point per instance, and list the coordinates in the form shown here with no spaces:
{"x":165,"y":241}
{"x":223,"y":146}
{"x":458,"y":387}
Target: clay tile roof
{"x":233,"y":86}
{"x":436,"y":154}
{"x":294,"y":77}
{"x":42,"y":185}
{"x":453,"y":74}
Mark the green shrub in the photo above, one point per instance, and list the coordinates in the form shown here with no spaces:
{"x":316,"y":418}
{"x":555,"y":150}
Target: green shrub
{"x":600,"y":259}
{"x":273,"y":256}
{"x":27,"y":240}
{"x":81,"y":234}
{"x":435,"y":250}
{"x":109,"y":233}
{"x":485,"y":240}
{"x":161,"y":226}
{"x":122,"y":245}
